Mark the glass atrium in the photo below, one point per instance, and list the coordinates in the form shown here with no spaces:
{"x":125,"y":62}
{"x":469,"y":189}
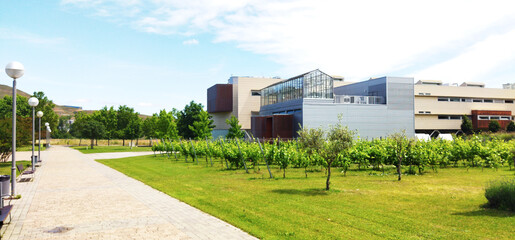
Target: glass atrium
{"x":314,"y":84}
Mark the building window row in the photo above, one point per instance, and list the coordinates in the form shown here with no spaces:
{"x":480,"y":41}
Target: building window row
{"x":476,"y":100}
{"x":424,"y":112}
{"x":449,"y":117}
{"x":424,"y":94}
{"x":486,"y":117}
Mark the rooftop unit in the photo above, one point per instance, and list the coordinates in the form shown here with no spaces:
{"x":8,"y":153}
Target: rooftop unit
{"x":473,"y":84}
{"x":429,"y":82}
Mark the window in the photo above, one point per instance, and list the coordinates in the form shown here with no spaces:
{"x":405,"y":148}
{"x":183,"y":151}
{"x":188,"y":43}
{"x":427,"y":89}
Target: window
{"x":483,"y":118}
{"x":443,"y":99}
{"x":477,"y":100}
{"x":505,"y":117}
{"x":488,"y":100}
{"x":443,"y":117}
{"x":454,"y":99}
{"x":428,"y":112}
{"x":498,"y":100}
{"x":421,"y":112}
{"x":494,"y":117}
{"x":508,"y":101}
{"x":420,"y":93}
{"x":455,"y":117}
{"x":255,"y":92}
{"x":428,"y":94}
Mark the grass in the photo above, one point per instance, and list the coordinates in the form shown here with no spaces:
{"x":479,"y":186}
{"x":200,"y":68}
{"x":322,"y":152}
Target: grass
{"x":106,"y":149}
{"x":362,"y":205}
{"x":5,"y":167}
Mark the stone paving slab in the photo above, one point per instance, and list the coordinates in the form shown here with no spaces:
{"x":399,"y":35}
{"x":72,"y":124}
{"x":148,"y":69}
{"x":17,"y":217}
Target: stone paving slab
{"x":74,"y":197}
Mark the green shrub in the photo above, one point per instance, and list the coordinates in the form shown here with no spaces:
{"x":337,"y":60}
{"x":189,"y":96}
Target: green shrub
{"x":494,"y":126}
{"x":501,"y":195}
{"x":510,"y":127}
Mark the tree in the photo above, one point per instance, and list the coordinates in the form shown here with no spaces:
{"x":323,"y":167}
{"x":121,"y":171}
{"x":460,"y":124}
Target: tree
{"x":510,"y":127}
{"x":108,"y":117}
{"x":339,"y":141}
{"x":23,"y":135}
{"x":401,"y":147}
{"x":166,"y":126}
{"x":466,"y":125}
{"x":124,"y":116}
{"x":202,"y":127}
{"x":92,"y":129}
{"x":22,"y":107}
{"x":149,"y":126}
{"x":63,"y":128}
{"x":47,"y":107}
{"x":187,"y":117}
{"x":494,"y":126}
{"x":133,"y":129}
{"x":235,"y":129}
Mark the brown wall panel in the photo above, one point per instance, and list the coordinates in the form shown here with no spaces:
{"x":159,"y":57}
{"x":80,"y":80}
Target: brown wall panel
{"x":483,"y":124}
{"x":282,"y":126}
{"x":219,"y":98}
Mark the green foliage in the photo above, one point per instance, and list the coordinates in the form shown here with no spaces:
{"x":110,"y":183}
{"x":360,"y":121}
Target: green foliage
{"x":22,"y":107}
{"x":23,"y":135}
{"x":63,"y":128}
{"x":165,"y":125}
{"x":494,"y":126}
{"x":466,"y":125}
{"x":202,"y":127}
{"x":235,"y":129}
{"x":47,"y":107}
{"x":108,"y":118}
{"x":187,"y":117}
{"x":501,"y":194}
{"x":510,"y":127}
{"x":92,"y":129}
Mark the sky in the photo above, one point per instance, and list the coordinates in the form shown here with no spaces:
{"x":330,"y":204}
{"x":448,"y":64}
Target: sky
{"x":162,"y":54}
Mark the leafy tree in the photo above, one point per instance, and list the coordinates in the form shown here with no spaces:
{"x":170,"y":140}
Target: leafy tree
{"x":133,"y":130}
{"x":149,"y":126}
{"x":76,"y":128}
{"x":510,"y":127}
{"x":235,"y":129}
{"x":202,"y":127}
{"x":400,"y":148}
{"x":47,"y":107}
{"x":124,"y":116}
{"x":22,"y":107}
{"x":187,"y":117}
{"x":63,"y":128}
{"x":494,"y":126}
{"x":108,"y":117}
{"x":23,"y":135}
{"x":166,"y":126}
{"x":92,"y":129}
{"x":339,"y":141}
{"x":466,"y":125}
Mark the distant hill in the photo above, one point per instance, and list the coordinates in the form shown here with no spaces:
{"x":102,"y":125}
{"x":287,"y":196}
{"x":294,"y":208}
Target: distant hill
{"x":59,"y":109}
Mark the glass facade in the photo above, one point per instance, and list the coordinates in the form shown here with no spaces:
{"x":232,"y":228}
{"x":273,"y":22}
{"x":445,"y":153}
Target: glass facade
{"x":314,"y":84}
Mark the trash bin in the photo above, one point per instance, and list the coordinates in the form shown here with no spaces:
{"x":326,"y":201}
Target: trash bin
{"x":5,"y":190}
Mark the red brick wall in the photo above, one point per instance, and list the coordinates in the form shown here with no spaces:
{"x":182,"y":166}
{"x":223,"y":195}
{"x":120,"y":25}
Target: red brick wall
{"x":483,"y":124}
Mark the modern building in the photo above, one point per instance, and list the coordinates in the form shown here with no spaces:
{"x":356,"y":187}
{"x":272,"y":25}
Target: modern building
{"x":239,"y":97}
{"x":374,"y":108}
{"x":272,"y":107}
{"x":441,"y":106}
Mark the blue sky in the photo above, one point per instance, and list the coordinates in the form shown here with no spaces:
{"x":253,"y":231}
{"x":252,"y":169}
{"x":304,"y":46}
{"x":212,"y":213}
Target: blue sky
{"x":160,"y":54}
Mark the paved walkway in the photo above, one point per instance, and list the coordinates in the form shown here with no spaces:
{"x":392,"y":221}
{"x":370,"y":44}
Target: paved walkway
{"x":74,"y":197}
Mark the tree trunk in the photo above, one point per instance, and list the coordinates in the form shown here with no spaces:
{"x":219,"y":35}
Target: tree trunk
{"x":284,"y":172}
{"x":80,"y":141}
{"x":131,"y":143}
{"x":96,"y":142}
{"x":327,"y":183}
{"x":137,"y":140}
{"x":123,"y":142}
{"x":108,"y":141}
{"x":92,"y":143}
{"x":399,"y":168}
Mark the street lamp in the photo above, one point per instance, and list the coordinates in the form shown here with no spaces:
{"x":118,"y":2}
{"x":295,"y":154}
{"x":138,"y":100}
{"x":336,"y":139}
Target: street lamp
{"x":14,"y":70}
{"x":33,"y":102}
{"x":39,"y":114}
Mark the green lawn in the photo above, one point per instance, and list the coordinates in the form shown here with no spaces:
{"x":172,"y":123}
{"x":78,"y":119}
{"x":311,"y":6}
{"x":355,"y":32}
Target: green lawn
{"x":5,"y":167}
{"x":106,"y":149}
{"x":362,"y":205}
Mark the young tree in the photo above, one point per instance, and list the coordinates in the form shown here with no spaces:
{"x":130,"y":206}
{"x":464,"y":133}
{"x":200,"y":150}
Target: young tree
{"x":494,"y":126}
{"x":401,"y":147}
{"x":133,"y":129}
{"x":510,"y":127}
{"x":235,"y":129}
{"x":339,"y":141}
{"x":203,"y":126}
{"x":466,"y":125}
{"x":124,"y":115}
{"x":47,"y":107}
{"x":149,"y":126}
{"x":63,"y":128}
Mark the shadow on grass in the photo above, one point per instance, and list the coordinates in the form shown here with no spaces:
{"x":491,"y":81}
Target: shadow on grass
{"x":487,"y":212}
{"x":303,"y":192}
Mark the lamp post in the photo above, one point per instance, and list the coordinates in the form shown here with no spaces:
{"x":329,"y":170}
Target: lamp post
{"x":39,"y":114}
{"x":33,"y":102}
{"x":14,"y":70}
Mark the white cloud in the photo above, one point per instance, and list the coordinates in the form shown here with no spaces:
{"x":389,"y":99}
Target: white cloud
{"x":145,"y":104}
{"x":190,"y":42}
{"x":356,"y":39}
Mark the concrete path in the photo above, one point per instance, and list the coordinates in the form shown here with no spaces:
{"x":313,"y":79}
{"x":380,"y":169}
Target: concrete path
{"x":74,"y":197}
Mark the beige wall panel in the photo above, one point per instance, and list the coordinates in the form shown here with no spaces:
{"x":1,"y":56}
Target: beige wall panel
{"x":430,"y":122}
{"x":457,"y":108}
{"x":219,"y":120}
{"x":247,"y":103}
{"x":472,"y":92}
